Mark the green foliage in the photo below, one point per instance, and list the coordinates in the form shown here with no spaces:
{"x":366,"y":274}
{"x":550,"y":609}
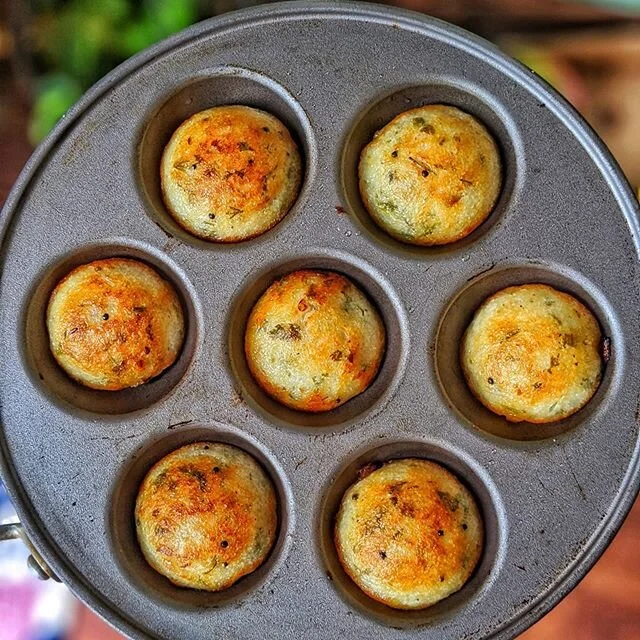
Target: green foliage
{"x":78,"y":41}
{"x":158,"y":19}
{"x":55,"y":94}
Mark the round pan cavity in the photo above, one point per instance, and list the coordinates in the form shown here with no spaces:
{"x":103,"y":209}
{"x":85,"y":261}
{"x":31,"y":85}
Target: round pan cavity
{"x":122,"y":528}
{"x":458,"y":315}
{"x":475,"y":479}
{"x":324,"y":330}
{"x":84,"y":184}
{"x":379,"y":292}
{"x":435,"y":90}
{"x":48,"y":374}
{"x":217,"y":87}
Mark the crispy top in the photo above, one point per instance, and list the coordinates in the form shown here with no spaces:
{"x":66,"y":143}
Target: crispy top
{"x":532,"y":353}
{"x":313,"y":340}
{"x":206,"y":516}
{"x":114,"y":323}
{"x":430,"y":176}
{"x":409,"y":533}
{"x":230,"y":173}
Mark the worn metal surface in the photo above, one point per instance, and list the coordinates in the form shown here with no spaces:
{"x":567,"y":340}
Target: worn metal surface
{"x":15,"y":531}
{"x":552,"y":497}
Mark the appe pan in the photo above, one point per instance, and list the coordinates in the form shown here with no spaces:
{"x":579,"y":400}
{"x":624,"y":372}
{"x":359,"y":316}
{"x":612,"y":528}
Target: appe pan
{"x":552,"y":497}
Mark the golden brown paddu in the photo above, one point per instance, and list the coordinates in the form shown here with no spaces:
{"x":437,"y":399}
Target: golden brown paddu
{"x":409,"y":533}
{"x":532,"y":353}
{"x":314,"y":340}
{"x":430,"y":176}
{"x":206,"y":516}
{"x":114,"y":323}
{"x":230,"y":173}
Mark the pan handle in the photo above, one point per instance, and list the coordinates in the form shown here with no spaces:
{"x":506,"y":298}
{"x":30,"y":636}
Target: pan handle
{"x":35,"y":561}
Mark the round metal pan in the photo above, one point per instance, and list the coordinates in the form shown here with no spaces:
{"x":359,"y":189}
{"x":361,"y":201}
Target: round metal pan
{"x":552,"y":497}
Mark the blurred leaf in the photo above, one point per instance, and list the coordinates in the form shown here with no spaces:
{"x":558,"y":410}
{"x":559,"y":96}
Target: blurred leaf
{"x":78,"y":41}
{"x":55,"y":94}
{"x":136,"y":37}
{"x":171,"y":15}
{"x":86,"y":40}
{"x":72,"y":40}
{"x":116,"y":11}
{"x":160,"y":18}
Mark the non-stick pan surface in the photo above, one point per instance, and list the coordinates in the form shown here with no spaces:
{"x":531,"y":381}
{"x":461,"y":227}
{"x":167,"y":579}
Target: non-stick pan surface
{"x":552,"y":497}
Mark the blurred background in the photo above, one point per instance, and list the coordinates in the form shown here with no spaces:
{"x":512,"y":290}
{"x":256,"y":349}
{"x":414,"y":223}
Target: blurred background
{"x":51,"y":51}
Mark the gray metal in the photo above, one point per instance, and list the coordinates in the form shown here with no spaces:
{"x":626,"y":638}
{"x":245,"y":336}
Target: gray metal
{"x":35,"y":562}
{"x":552,"y":498}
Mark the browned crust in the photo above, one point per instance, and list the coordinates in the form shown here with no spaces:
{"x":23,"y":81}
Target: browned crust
{"x":239,"y":161}
{"x":114,"y":323}
{"x":412,"y":533}
{"x":443,"y":171}
{"x":546,"y":383}
{"x":324,"y":318}
{"x":206,"y":516}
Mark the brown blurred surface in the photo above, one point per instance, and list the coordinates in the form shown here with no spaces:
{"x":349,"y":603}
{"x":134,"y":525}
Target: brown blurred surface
{"x":599,"y":72}
{"x":606,"y":604}
{"x":488,"y":17}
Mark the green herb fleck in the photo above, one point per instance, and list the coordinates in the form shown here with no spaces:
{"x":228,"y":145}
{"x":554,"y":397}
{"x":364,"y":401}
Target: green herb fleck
{"x":450,"y":502}
{"x":160,"y":478}
{"x":198,"y":475}
{"x":587,"y":383}
{"x":286,"y":332}
{"x":388,"y":206}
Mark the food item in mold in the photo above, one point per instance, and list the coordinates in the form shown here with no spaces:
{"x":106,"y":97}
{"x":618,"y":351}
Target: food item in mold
{"x":206,"y":515}
{"x":430,"y":176}
{"x":532,"y":353}
{"x":230,"y":173}
{"x":408,"y":533}
{"x":314,"y":340}
{"x":114,"y":323}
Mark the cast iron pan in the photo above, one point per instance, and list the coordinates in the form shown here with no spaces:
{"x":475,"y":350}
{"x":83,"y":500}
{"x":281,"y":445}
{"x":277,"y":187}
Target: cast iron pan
{"x":552,"y":497}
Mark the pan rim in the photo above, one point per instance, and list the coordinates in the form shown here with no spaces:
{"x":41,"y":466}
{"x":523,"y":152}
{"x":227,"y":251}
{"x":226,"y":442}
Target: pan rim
{"x":302,"y":9}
